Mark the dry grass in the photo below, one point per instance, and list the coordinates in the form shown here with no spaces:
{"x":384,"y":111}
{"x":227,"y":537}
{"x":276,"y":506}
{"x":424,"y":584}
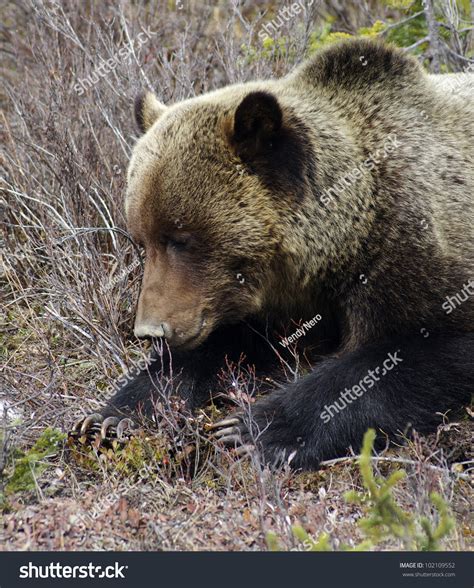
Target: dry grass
{"x":70,"y":293}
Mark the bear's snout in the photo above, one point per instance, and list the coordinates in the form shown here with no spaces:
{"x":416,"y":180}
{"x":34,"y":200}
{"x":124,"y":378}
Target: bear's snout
{"x":142,"y":331}
{"x":176,"y":337}
{"x":169,"y":306}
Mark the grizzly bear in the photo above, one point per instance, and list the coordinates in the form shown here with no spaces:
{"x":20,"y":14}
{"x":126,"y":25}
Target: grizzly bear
{"x":329,"y":213}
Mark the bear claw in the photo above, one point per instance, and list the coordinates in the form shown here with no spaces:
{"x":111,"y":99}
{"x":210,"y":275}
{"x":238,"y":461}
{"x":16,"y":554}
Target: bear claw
{"x":108,"y":422}
{"x":232,"y":433}
{"x":245,"y":450}
{"x":222,"y":433}
{"x":84,"y":426}
{"x":225,"y":423}
{"x":101,"y":430}
{"x":124,"y":429}
{"x":228,"y":431}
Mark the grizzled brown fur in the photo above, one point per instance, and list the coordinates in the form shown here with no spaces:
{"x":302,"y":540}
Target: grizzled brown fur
{"x":232,"y":195}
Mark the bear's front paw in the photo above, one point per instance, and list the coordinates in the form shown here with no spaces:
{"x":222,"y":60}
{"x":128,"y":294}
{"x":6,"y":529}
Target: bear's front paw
{"x":265,"y":430}
{"x":99,"y":430}
{"x":234,"y":433}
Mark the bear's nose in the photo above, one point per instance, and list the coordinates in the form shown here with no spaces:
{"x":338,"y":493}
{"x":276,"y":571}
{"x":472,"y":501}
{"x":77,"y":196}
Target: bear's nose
{"x":145,"y":330}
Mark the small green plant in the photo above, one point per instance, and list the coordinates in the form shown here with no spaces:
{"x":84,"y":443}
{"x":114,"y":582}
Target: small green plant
{"x":271,"y":49}
{"x":27,"y":467}
{"x":385,"y":520}
{"x":324,"y":36}
{"x":306,"y":542}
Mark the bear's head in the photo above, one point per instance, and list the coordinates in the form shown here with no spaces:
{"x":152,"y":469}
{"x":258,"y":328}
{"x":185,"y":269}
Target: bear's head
{"x":212,"y":187}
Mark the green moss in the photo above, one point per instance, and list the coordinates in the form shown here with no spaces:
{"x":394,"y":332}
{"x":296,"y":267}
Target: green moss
{"x":142,"y":457}
{"x":27,"y":467}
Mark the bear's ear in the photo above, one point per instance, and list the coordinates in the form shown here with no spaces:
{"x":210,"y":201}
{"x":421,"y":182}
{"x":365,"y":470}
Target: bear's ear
{"x":147,"y":110}
{"x":257,"y":120}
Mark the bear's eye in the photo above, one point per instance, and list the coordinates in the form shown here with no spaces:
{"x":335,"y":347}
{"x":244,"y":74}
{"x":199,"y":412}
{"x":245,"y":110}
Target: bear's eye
{"x":177,"y":242}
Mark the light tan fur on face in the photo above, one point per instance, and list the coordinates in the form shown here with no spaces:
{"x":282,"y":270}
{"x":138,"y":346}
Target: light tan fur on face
{"x":170,"y":304}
